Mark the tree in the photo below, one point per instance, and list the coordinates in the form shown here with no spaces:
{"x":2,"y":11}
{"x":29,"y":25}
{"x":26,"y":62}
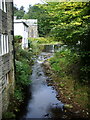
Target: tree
{"x":15,"y":10}
{"x":68,"y":22}
{"x":19,"y":13}
{"x":22,"y":8}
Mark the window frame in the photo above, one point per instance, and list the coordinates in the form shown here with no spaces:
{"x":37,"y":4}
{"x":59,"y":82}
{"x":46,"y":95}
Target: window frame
{"x":7,"y":44}
{"x":0,"y":44}
{"x":4,"y":44}
{"x":3,"y":5}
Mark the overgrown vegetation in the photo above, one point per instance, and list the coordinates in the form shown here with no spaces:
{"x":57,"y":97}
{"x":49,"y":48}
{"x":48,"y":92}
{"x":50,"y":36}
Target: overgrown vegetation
{"x":23,"y":64}
{"x":66,"y":66}
{"x":44,"y":41}
{"x":63,"y":61}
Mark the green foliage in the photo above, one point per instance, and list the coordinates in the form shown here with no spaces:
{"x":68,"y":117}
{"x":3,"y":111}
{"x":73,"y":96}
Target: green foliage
{"x":37,"y":44}
{"x":23,"y":64}
{"x":34,"y":47}
{"x":22,"y":73}
{"x":42,"y":40}
{"x":66,"y":21}
{"x":23,"y":69}
{"x":63,"y":61}
{"x":18,"y":38}
{"x":23,"y":55}
{"x":9,"y":115}
{"x":38,"y":12}
{"x":18,"y":95}
{"x":19,"y":13}
{"x":69,"y":62}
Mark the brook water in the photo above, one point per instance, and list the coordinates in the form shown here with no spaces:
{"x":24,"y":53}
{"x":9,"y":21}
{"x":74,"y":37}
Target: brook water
{"x":41,"y":101}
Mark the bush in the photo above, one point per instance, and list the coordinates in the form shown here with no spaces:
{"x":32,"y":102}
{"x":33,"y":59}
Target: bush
{"x":18,"y":38}
{"x":22,"y":73}
{"x":9,"y":115}
{"x":23,"y":70}
{"x":63,"y":61}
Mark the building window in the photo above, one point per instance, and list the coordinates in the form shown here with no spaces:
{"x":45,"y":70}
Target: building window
{"x":4,"y":45}
{"x":0,"y":46}
{"x":0,"y":4}
{"x":7,"y":46}
{"x":3,"y":5}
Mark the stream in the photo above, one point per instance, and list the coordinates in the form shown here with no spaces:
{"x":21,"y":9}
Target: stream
{"x":42,"y":101}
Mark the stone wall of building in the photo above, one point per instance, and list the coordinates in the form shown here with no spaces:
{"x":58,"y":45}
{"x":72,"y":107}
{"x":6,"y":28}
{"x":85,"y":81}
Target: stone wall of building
{"x":33,"y":28}
{"x":6,"y":60}
{"x":33,"y":31}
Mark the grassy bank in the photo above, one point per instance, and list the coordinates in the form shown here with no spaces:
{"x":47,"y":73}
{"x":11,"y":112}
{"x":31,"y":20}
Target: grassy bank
{"x":66,"y":73}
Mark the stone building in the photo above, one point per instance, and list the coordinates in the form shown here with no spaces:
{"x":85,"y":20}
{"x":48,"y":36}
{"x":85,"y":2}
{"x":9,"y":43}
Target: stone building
{"x":33,"y":28}
{"x":6,"y":54}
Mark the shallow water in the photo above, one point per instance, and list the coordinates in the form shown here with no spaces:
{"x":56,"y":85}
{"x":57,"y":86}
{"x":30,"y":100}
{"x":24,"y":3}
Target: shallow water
{"x":43,"y":99}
